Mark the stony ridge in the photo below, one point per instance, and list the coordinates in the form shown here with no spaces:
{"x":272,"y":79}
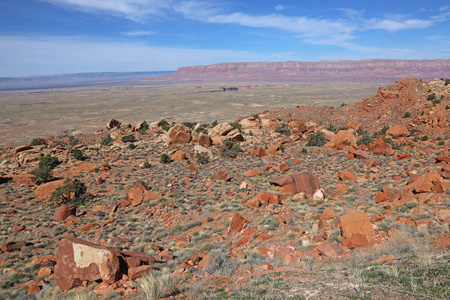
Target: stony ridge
{"x":256,"y":208}
{"x":339,"y":70}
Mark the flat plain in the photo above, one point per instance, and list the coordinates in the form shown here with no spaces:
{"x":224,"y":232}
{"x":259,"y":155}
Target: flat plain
{"x":27,"y":114}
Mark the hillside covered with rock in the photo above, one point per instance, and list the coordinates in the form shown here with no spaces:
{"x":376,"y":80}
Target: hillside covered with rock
{"x":310,"y":202}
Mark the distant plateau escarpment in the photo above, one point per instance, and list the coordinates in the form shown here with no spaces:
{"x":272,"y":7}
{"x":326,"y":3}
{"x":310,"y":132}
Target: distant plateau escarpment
{"x":339,"y":70}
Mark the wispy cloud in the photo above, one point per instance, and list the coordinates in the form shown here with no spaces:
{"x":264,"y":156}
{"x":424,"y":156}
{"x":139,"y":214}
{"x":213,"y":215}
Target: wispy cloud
{"x":138,"y":33}
{"x":280,"y":7}
{"x":392,"y":25}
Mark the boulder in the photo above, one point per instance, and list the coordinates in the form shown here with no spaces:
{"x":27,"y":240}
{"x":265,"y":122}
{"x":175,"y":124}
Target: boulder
{"x":139,"y":192}
{"x":63,"y":212}
{"x":331,"y":250}
{"x":137,"y":126}
{"x":344,"y":138}
{"x":297,"y":127}
{"x":250,"y":123}
{"x":221,"y":129}
{"x":424,"y":183}
{"x":204,"y":140}
{"x":44,"y":191}
{"x":269,"y":123}
{"x":346,"y":175}
{"x":179,"y":155}
{"x":398,"y":131}
{"x":357,"y":240}
{"x":178,"y":134}
{"x":237,"y":224}
{"x":112,"y":124}
{"x":259,"y":151}
{"x":78,"y":261}
{"x":356,"y":222}
{"x":306,"y":182}
{"x":221,"y":175}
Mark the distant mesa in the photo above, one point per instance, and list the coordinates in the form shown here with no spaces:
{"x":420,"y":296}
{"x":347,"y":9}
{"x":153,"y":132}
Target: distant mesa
{"x":338,"y":70}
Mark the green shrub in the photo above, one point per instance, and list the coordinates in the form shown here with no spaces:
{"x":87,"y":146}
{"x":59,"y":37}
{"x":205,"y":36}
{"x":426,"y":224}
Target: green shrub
{"x":129,"y":138}
{"x":424,"y":138}
{"x":165,"y":158}
{"x":202,"y":129}
{"x":407,"y":115}
{"x":202,"y":158}
{"x":73,"y":141}
{"x":316,"y":139}
{"x":72,"y":192}
{"x":382,"y":132}
{"x":283,"y":129}
{"x":441,"y":143}
{"x":431,"y":97}
{"x":42,"y":173}
{"x":77,"y":154}
{"x":38,"y":141}
{"x":334,"y":129}
{"x":304,"y":151}
{"x":190,"y":125}
{"x":146,"y":165}
{"x":365,"y":140}
{"x":229,"y":149}
{"x":144,"y":127}
{"x":49,"y":161}
{"x":107,"y":141}
{"x":131,"y":146}
{"x":164,"y":125}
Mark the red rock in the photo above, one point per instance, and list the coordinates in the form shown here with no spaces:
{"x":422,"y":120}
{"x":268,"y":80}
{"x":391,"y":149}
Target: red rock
{"x":178,"y":134}
{"x":442,"y":158}
{"x":204,"y":140}
{"x":356,"y":222}
{"x":331,"y":250}
{"x":398,"y":131}
{"x":346,"y":175}
{"x":140,"y":192}
{"x":89,"y":227}
{"x":340,"y":189}
{"x":361,"y":154}
{"x":44,"y":191}
{"x":279,"y":251}
{"x":284,"y":219}
{"x":344,"y":138}
{"x":377,"y":218}
{"x":259,"y":151}
{"x":357,"y":240}
{"x":381,"y":197}
{"x":441,"y":187}
{"x":138,"y":126}
{"x":112,"y":124}
{"x":423,"y":223}
{"x":373,"y":162}
{"x":33,"y":288}
{"x":243,"y":241}
{"x":403,"y":156}
{"x":328,"y":214}
{"x":306,"y":182}
{"x":18,"y":228}
{"x":424,"y":182}
{"x":297,"y":127}
{"x":237,"y":224}
{"x":44,"y":272}
{"x":284,"y":166}
{"x":443,"y":242}
{"x":64,"y":211}
{"x":78,"y":260}
{"x":443,"y":215}
{"x":99,"y":180}
{"x":221,"y":175}
{"x":12,"y":246}
{"x":136,"y":272}
{"x":445,"y":171}
{"x":253,"y":172}
{"x":179,"y":155}
{"x":191,"y":168}
{"x":269,"y":198}
{"x":253,"y":203}
{"x":274,"y":149}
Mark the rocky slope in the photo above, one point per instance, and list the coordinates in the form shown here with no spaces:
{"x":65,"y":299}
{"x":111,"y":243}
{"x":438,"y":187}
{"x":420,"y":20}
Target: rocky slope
{"x":362,"y":70}
{"x":306,"y":202}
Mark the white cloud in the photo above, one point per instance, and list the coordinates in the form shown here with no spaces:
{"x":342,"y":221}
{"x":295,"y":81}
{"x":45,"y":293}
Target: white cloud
{"x":135,"y":10}
{"x":139,"y":32}
{"x":392,"y":25}
{"x":280,"y":7}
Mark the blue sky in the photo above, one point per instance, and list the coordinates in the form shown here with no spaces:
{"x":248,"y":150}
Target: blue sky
{"x":39,"y":37}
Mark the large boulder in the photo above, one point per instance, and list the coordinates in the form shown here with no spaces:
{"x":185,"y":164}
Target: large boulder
{"x":237,"y":224}
{"x":398,"y":131}
{"x":64,"y":211}
{"x":297,"y":127}
{"x":221,"y":129}
{"x":112,"y":124}
{"x":178,"y":134}
{"x":78,"y":261}
{"x":306,"y":182}
{"x":44,"y":191}
{"x":140,"y":192}
{"x":356,"y":222}
{"x":344,"y":138}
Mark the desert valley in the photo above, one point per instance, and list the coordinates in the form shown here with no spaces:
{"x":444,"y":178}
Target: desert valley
{"x":230,"y":181}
